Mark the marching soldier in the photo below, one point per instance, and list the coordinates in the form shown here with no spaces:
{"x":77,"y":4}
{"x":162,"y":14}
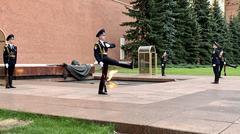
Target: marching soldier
{"x":222,"y":63}
{"x":10,"y":59}
{"x":101,"y":55}
{"x":216,"y":62}
{"x":163,"y":62}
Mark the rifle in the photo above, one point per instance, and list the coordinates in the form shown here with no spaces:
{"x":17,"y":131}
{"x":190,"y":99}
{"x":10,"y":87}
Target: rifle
{"x":232,"y":65}
{"x":229,"y":65}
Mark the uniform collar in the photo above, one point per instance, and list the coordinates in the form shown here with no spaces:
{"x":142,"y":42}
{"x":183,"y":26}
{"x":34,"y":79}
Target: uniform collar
{"x":11,"y":46}
{"x":102,"y":42}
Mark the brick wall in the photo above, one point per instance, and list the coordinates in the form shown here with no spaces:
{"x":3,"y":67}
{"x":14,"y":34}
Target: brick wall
{"x":231,"y":8}
{"x":57,"y":31}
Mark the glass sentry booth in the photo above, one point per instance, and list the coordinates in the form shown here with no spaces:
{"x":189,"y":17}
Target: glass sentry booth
{"x":147,"y":60}
{"x":2,"y":68}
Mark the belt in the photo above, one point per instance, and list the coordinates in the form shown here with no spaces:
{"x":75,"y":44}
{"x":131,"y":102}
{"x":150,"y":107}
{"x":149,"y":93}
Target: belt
{"x":12,"y":56}
{"x":103,"y":53}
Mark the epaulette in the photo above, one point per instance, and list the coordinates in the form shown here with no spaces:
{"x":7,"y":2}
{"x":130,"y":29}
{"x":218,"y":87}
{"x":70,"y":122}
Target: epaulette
{"x":97,"y":43}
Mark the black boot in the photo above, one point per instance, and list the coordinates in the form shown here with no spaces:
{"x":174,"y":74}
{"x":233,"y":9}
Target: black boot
{"x":7,"y":86}
{"x":130,"y":66}
{"x":105,"y":87}
{"x":163,"y":73}
{"x":216,"y":81}
{"x":7,"y":82}
{"x":10,"y":82}
{"x":12,"y":87}
{"x":101,"y":86}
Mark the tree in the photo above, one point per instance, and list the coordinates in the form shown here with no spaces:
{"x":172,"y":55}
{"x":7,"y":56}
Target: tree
{"x":164,"y":26}
{"x":234,"y":29}
{"x":220,"y":31}
{"x":187,"y":34}
{"x":202,"y":9}
{"x":186,"y":28}
{"x":140,"y":32}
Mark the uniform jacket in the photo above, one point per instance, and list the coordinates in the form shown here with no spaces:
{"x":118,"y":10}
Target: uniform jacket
{"x":163,"y":59}
{"x":101,"y":49}
{"x":215,"y":57}
{"x":10,"y":54}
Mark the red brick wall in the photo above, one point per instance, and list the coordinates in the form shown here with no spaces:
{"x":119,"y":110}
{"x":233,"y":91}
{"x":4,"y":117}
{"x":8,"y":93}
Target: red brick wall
{"x":231,"y":8}
{"x":57,"y":31}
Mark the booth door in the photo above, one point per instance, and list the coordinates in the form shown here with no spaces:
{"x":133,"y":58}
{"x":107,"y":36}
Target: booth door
{"x":2,"y":44}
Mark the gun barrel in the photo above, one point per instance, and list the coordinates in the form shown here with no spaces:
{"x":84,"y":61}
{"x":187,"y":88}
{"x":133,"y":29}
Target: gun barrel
{"x":232,"y":65}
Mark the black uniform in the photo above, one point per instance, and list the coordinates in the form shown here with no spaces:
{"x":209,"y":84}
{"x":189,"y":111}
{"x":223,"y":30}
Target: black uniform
{"x":222,"y":65}
{"x":216,"y":64}
{"x":10,"y":58}
{"x":100,"y":53}
{"x":163,"y":64}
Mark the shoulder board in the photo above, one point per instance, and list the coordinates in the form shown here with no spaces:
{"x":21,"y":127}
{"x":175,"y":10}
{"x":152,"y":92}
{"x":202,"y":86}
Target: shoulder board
{"x":97,"y":43}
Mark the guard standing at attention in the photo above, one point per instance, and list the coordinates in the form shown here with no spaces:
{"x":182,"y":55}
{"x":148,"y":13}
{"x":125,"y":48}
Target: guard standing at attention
{"x":10,"y":59}
{"x":101,"y":55}
{"x":163,"y":62}
{"x":216,"y":62}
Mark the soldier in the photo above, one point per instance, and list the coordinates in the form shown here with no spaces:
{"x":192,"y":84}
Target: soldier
{"x":163,"y":62}
{"x":216,"y":62}
{"x":10,"y":59}
{"x":101,"y":55}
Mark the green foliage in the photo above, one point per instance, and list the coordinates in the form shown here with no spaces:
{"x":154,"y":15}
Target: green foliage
{"x":164,"y":25}
{"x":140,"y":32}
{"x":202,"y":9}
{"x":220,"y":31}
{"x":234,"y":28}
{"x":187,"y":66}
{"x":187,"y":35}
{"x":186,"y":28}
{"x":180,"y":69}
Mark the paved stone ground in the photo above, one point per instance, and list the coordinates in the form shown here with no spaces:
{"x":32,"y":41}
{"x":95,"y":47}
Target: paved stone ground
{"x":193,"y":105}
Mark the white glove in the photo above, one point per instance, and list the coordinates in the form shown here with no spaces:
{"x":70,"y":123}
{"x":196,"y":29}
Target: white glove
{"x":107,"y":45}
{"x":214,"y":65}
{"x":162,"y":65}
{"x":101,"y":64}
{"x":6,"y":65}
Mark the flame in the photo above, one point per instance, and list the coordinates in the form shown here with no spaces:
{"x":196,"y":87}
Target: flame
{"x":109,"y":83}
{"x":111,"y":73}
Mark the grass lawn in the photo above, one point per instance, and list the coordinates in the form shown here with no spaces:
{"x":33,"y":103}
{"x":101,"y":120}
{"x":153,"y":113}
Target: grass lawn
{"x":199,"y":71}
{"x":42,"y":124}
{"x":207,"y":71}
